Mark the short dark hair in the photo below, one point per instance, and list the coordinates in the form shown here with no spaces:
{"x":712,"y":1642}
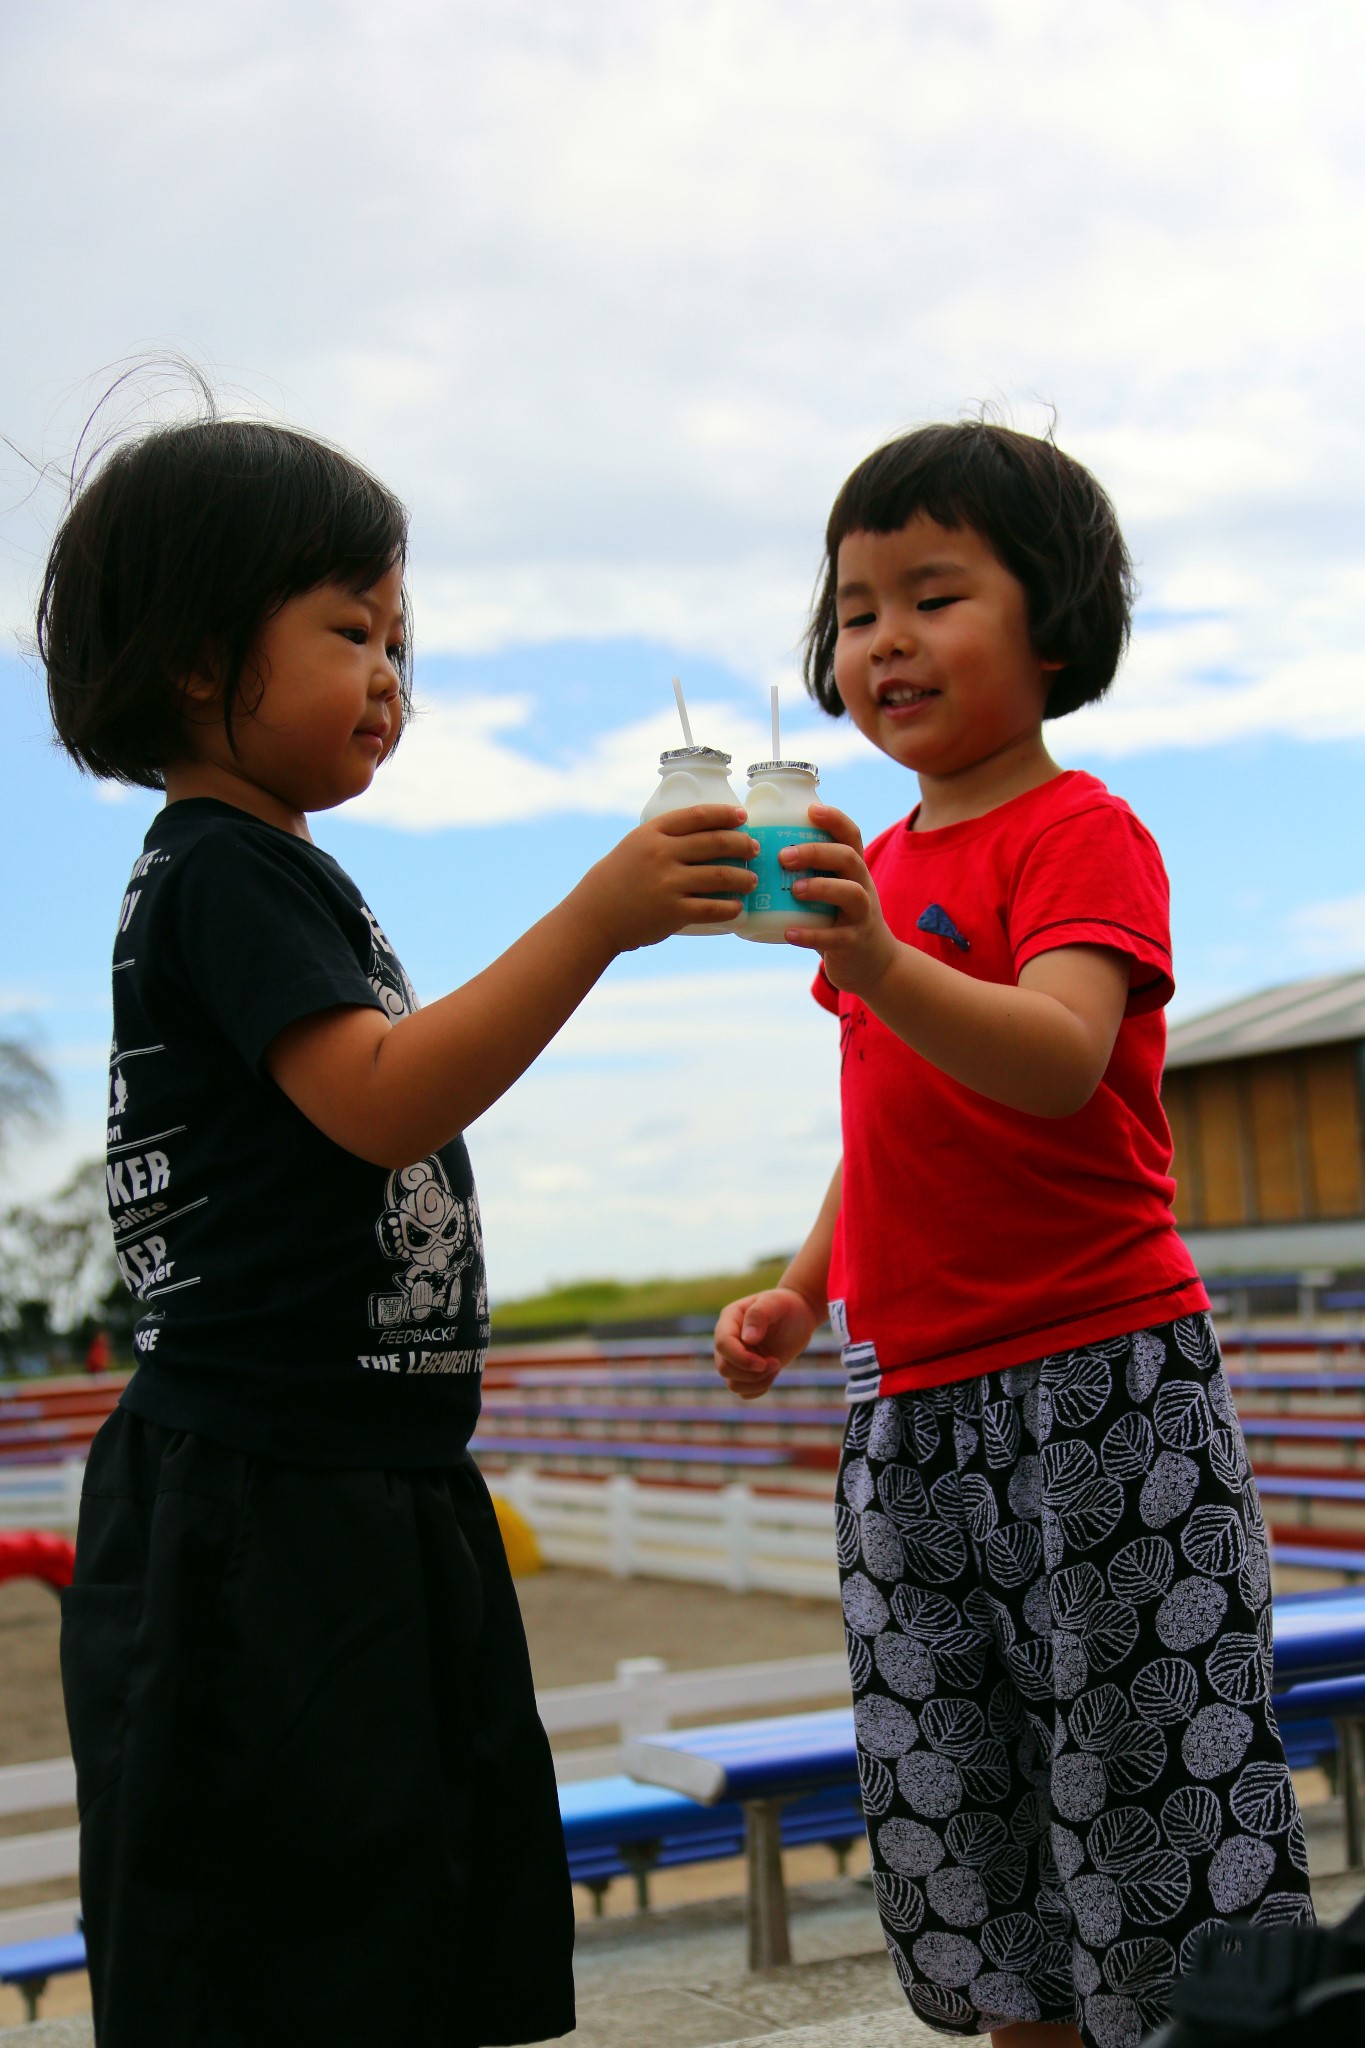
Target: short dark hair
{"x":171,"y":558}
{"x":1043,"y":515}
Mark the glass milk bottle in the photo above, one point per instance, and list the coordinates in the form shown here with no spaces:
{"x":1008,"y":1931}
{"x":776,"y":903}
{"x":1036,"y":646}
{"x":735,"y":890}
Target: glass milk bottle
{"x":780,"y":795}
{"x":693,"y":775}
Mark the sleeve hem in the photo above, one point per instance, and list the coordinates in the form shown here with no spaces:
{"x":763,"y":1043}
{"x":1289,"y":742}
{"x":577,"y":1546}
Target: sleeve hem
{"x":825,"y":993}
{"x":1152,"y":985}
{"x":305,"y":999}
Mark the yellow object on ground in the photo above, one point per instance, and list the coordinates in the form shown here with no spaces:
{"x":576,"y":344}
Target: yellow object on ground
{"x":518,"y":1539}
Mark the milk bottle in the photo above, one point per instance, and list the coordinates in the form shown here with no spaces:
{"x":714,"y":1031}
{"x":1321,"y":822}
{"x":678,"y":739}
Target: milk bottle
{"x":780,"y":794}
{"x":694,"y":775}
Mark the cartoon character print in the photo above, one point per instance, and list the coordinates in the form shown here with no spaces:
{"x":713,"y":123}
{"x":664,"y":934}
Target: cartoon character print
{"x":425,"y":1229}
{"x":476,"y":1244}
{"x":386,"y":975}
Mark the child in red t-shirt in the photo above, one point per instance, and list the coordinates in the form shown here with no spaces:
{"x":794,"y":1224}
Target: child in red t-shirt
{"x":1055,"y":1577}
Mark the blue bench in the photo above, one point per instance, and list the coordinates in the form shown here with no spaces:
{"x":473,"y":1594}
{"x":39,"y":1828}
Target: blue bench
{"x":1326,"y":1428}
{"x":753,"y":1456}
{"x":686,"y":1379}
{"x":614,"y":1827}
{"x":1253,"y":1380}
{"x":722,"y":1413}
{"x":1319,"y":1638}
{"x":1325,"y":1486}
{"x":28,"y":1965}
{"x":1319,"y":1557}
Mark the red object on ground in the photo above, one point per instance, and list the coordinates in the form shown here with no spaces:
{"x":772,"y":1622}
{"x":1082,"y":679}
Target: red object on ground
{"x":33,"y":1554}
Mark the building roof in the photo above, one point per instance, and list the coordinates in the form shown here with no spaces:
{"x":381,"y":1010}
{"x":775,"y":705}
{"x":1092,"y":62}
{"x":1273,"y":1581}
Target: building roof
{"x":1320,"y":1012}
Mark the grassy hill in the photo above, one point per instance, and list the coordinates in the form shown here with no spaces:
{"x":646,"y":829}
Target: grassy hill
{"x":591,"y":1302}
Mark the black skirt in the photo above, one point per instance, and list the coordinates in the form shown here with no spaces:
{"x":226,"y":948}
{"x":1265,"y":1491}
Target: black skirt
{"x":316,"y":1799}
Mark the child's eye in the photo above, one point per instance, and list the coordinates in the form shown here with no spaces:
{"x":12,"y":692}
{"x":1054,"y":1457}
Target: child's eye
{"x":395,"y":653}
{"x":862,"y":619}
{"x":357,"y":635}
{"x":935,"y":604}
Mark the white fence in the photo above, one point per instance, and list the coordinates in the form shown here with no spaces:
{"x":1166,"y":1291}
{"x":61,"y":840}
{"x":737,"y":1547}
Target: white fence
{"x":643,"y":1698}
{"x":721,"y":1536}
{"x":728,"y":1536}
{"x":41,"y":1496}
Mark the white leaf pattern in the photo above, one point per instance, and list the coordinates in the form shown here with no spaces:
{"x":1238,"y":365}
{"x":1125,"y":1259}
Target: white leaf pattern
{"x":1128,"y":1446}
{"x":899,"y":1901}
{"x":1142,"y":1570}
{"x":1043,"y":1521}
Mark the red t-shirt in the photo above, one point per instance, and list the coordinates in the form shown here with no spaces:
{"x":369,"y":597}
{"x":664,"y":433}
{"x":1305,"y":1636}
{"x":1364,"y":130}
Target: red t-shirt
{"x":972,"y":1236}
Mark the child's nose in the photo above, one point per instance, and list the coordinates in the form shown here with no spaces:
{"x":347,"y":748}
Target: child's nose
{"x":892,"y":636}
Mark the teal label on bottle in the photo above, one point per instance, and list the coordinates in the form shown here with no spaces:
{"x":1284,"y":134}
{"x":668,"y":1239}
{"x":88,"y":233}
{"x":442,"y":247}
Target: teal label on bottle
{"x":774,"y":889}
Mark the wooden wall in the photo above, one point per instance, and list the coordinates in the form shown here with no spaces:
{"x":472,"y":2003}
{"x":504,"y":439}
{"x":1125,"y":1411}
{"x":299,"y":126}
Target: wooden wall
{"x":1277,"y":1139}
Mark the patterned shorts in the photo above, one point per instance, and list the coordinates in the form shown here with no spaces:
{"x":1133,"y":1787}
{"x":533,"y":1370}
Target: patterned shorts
{"x":1056,"y":1589}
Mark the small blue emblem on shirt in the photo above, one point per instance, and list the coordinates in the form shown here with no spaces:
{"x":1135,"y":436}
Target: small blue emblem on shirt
{"x":938,"y":921}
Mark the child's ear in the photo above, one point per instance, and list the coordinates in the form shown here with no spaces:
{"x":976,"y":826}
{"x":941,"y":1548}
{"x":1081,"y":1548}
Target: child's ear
{"x":201,"y":687}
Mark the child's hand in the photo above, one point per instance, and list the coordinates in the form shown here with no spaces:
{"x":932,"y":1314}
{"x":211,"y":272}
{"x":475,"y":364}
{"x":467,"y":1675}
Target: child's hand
{"x":858,"y":947}
{"x":667,"y":873}
{"x":757,"y":1336}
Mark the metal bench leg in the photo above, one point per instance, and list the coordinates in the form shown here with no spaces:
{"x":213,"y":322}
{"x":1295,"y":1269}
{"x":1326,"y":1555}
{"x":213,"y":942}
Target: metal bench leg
{"x":640,"y":1858}
{"x":1351,"y":1766}
{"x":766,"y":1913}
{"x":31,"y":1990}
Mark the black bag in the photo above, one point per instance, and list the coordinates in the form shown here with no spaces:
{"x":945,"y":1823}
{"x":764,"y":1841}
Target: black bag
{"x":1276,"y":1987}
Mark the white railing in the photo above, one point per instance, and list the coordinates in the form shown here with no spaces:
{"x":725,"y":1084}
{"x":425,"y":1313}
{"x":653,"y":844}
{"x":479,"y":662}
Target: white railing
{"x":721,"y":1536}
{"x":644,"y":1698}
{"x":727,"y":1536}
{"x":41,"y":1496}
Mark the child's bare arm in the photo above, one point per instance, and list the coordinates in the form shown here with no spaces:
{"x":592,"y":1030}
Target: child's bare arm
{"x":394,"y":1092}
{"x":758,"y":1335}
{"x":1041,"y":1046}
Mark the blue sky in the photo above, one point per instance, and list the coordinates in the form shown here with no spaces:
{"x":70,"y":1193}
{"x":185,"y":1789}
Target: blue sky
{"x":615,"y":298}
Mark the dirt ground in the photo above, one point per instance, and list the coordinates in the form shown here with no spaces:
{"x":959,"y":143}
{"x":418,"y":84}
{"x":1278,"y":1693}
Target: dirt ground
{"x":578,"y":1624}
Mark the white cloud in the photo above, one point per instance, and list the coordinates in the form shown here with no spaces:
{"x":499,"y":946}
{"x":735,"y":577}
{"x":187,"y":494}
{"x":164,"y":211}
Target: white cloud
{"x":1331,"y":931}
{"x":678,"y":1125}
{"x":616,"y":296}
{"x":459,"y":767}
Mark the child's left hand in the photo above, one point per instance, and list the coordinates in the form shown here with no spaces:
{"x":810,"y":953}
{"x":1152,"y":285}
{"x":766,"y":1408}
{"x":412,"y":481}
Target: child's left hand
{"x":858,"y":947}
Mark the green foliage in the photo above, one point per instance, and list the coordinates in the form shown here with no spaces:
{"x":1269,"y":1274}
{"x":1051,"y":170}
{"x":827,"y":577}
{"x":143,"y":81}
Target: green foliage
{"x":585,"y":1302}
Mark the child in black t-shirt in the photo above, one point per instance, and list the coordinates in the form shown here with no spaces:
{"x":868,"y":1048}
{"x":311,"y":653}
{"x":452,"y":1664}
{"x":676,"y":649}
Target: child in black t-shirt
{"x":316,"y":1800}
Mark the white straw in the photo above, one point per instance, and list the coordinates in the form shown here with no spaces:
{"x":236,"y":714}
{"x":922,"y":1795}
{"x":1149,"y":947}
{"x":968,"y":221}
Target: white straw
{"x":777,"y":744}
{"x":682,"y":713}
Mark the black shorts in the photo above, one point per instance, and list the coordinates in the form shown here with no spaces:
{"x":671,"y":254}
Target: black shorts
{"x":1057,"y":1596}
{"x":316,"y":1799}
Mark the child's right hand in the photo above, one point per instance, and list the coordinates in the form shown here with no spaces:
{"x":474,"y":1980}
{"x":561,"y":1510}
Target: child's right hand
{"x":667,"y":873}
{"x":758,"y":1335}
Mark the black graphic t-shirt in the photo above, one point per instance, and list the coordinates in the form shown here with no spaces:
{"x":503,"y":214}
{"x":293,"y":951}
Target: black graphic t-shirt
{"x":296,"y":1301}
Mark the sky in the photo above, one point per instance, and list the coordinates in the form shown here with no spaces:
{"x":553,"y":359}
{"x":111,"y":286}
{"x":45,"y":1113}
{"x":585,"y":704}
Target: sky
{"x":614,"y":297}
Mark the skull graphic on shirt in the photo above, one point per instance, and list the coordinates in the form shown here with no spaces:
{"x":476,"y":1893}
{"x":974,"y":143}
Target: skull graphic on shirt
{"x":425,"y":1230}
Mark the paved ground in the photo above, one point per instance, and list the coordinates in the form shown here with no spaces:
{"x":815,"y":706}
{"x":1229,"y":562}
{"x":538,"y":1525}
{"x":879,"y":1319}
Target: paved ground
{"x":677,"y":1980}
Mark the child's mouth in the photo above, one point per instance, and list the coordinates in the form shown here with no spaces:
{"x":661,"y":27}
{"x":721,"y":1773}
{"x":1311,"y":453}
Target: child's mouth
{"x":904,"y":697}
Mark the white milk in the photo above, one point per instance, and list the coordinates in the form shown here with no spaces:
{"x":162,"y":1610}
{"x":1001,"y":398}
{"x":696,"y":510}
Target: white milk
{"x":693,"y":775}
{"x":780,"y":796}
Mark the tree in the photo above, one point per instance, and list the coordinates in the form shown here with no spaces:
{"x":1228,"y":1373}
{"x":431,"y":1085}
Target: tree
{"x":28,"y":1093}
{"x":61,"y":1252}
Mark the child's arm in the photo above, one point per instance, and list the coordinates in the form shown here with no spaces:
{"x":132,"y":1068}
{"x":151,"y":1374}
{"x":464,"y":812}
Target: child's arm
{"x":757,"y":1336}
{"x":394,"y":1092}
{"x":1041,"y":1046}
